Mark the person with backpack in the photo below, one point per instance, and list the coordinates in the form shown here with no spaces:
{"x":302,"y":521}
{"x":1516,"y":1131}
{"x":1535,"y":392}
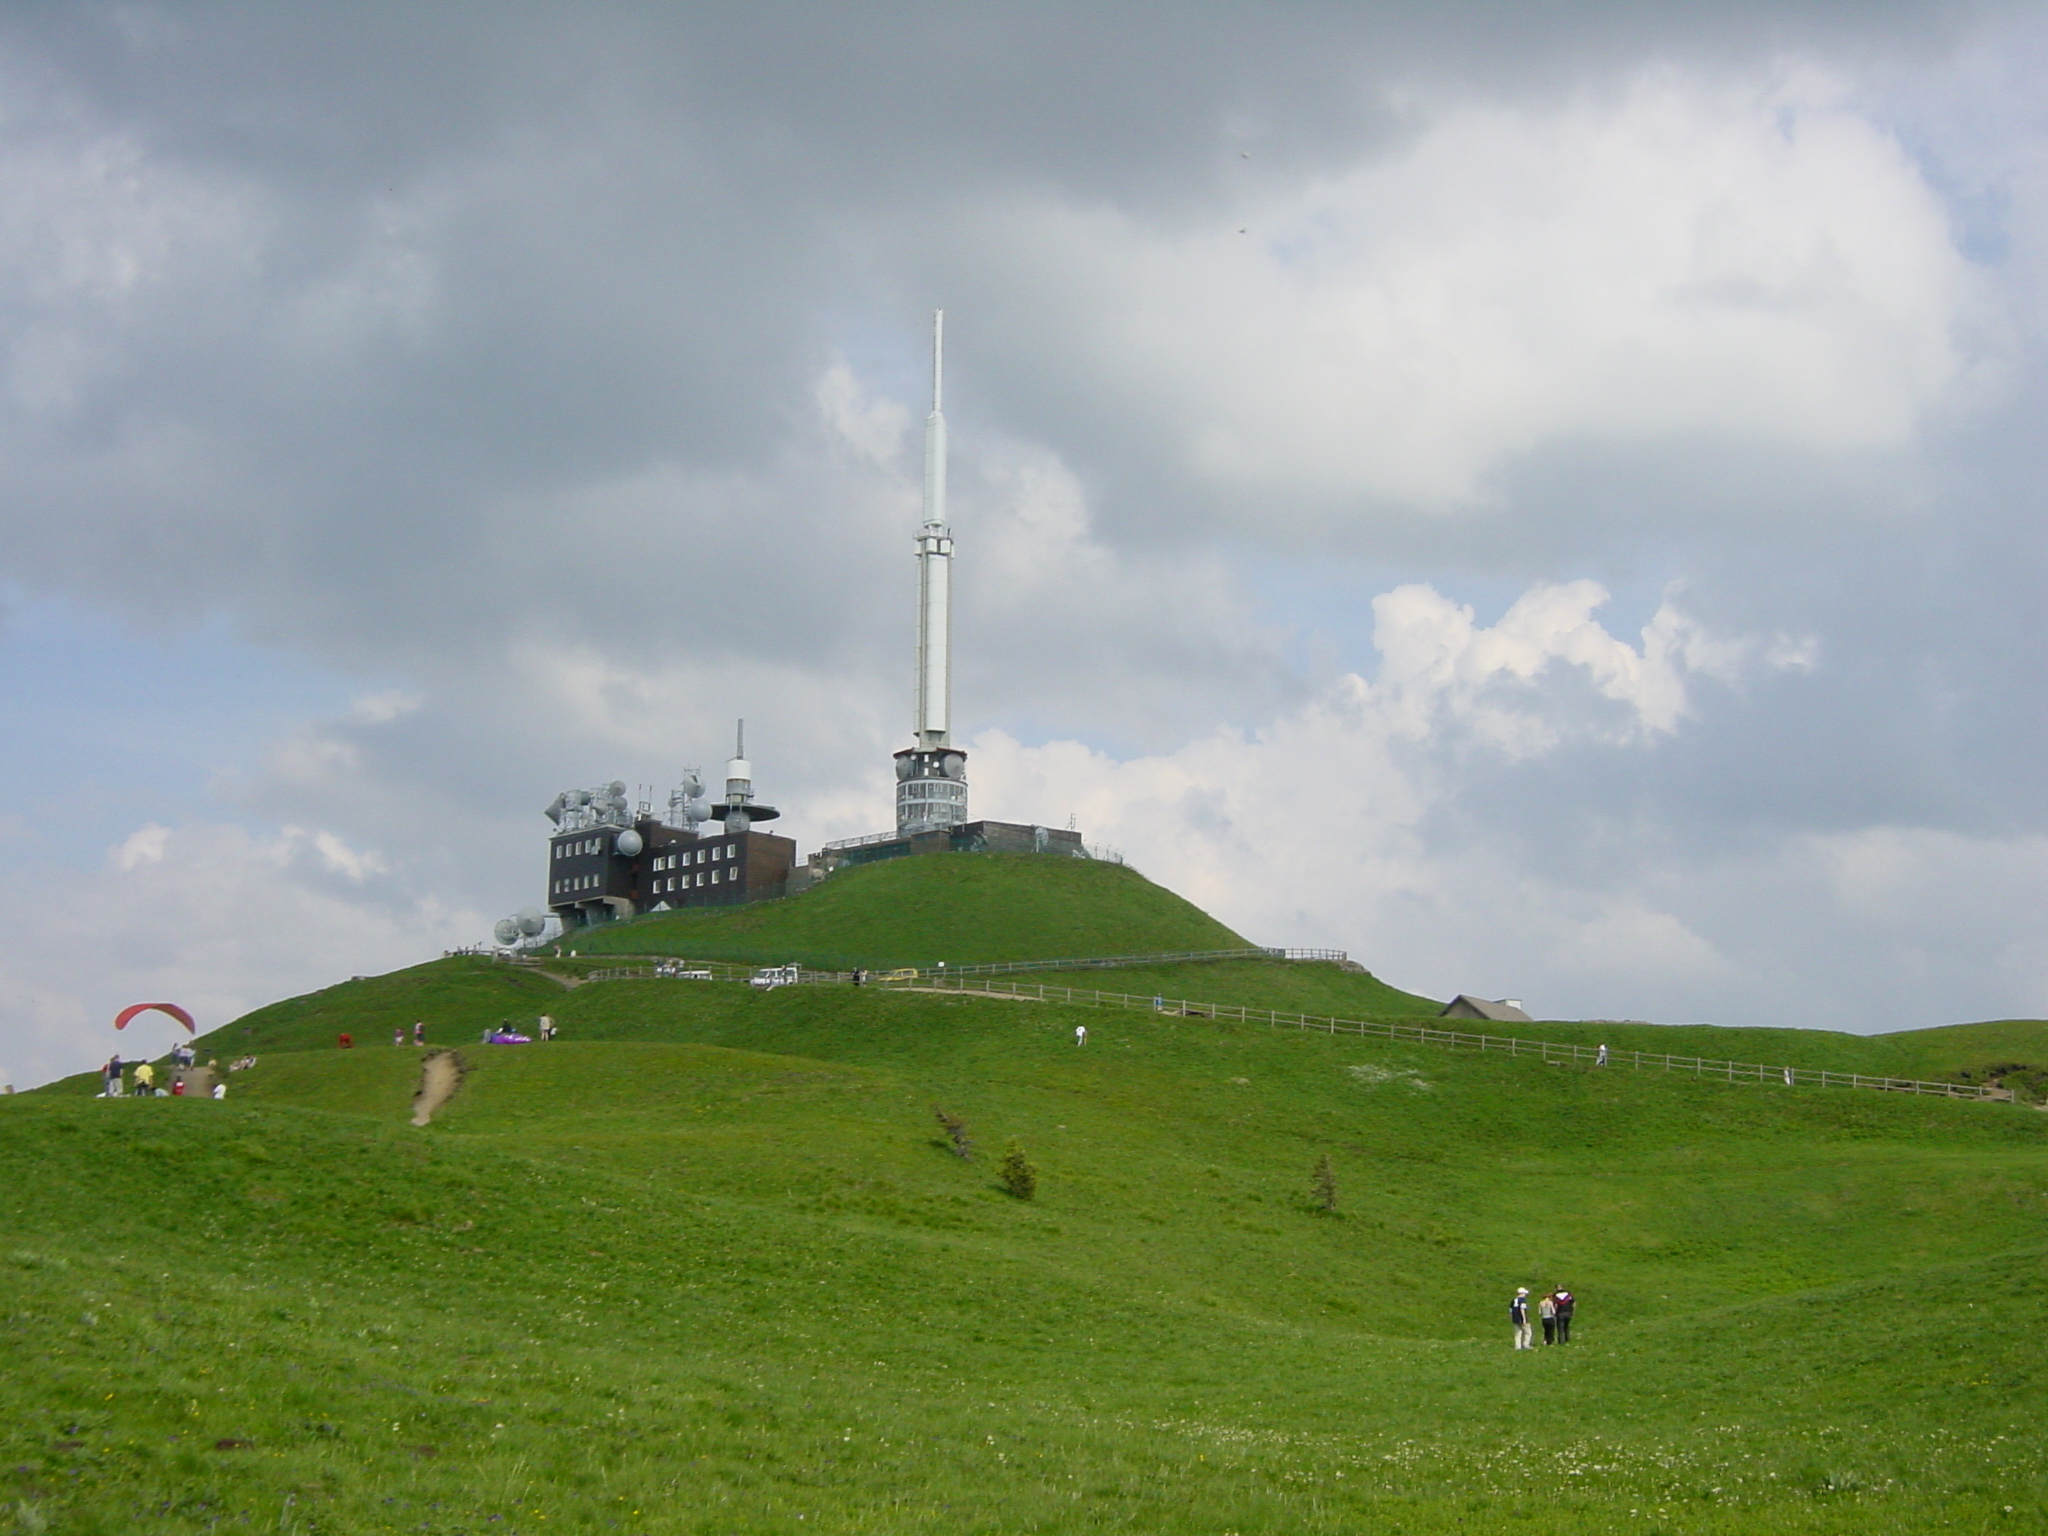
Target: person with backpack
{"x":1564,"y":1302}
{"x":1518,"y":1314}
{"x":1546,"y":1309}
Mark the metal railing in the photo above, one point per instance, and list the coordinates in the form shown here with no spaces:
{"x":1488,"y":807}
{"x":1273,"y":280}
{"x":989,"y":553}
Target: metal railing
{"x":1544,"y":1050}
{"x":867,"y":841}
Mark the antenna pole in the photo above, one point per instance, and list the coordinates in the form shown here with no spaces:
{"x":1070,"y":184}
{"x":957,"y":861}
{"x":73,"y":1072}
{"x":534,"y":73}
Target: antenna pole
{"x":935,"y":567}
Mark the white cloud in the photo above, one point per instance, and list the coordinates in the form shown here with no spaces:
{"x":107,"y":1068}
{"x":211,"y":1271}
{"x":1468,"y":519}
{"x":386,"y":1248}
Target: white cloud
{"x":1754,"y":261}
{"x":145,"y":845}
{"x":874,"y":427}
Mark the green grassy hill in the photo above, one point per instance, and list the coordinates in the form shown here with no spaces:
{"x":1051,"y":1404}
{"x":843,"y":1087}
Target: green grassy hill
{"x":709,"y":1265}
{"x":964,"y":909}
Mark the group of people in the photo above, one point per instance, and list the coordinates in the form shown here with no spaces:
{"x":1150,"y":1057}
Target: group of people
{"x":1553,"y":1311}
{"x":505,"y":1034}
{"x":115,"y":1076}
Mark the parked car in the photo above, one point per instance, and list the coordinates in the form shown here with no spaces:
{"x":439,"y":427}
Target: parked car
{"x":777,"y":976}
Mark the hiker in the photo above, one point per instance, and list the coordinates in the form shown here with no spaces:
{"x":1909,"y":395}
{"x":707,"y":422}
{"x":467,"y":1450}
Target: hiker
{"x":1600,"y":1060}
{"x":145,"y":1081}
{"x":398,"y":1036}
{"x":178,"y":1086}
{"x":1565,"y":1302}
{"x":1518,"y":1314}
{"x":1788,"y":1077}
{"x":860,"y":977}
{"x":547,"y":1027}
{"x":1080,"y":1034}
{"x":1546,"y":1310}
{"x":345,"y":1042}
{"x":220,"y":1090}
{"x":419,"y":1032}
{"x":111,"y":1077}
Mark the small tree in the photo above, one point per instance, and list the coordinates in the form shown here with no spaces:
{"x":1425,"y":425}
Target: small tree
{"x":1323,"y":1184}
{"x":956,"y":1133}
{"x":1019,"y":1177}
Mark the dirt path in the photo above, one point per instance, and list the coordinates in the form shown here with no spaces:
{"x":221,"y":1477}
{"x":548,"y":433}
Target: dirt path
{"x":440,"y":1075}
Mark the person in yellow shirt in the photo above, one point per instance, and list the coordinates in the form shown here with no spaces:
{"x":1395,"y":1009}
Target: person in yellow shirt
{"x":145,"y":1080}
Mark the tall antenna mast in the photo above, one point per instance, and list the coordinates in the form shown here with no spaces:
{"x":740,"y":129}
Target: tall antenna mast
{"x":935,"y":567}
{"x":931,"y":777}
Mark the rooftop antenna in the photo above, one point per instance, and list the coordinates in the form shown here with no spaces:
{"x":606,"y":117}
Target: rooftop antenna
{"x":742,"y":810}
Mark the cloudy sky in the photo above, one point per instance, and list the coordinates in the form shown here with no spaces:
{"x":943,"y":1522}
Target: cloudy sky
{"x":1549,"y":499}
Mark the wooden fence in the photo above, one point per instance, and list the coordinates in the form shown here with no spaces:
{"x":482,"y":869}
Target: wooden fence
{"x":1543,"y":1050}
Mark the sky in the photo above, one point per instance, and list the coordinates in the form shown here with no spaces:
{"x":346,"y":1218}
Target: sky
{"x":1546,"y":499}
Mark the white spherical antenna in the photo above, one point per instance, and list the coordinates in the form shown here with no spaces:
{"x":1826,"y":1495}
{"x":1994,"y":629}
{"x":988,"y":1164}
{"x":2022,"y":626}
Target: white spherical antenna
{"x":529,"y":921}
{"x":507,"y":931}
{"x":693,"y":787}
{"x":629,"y":844}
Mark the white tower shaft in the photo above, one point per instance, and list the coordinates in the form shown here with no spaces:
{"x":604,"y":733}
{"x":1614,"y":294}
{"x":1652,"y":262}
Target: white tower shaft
{"x":931,"y":777}
{"x":935,"y":568}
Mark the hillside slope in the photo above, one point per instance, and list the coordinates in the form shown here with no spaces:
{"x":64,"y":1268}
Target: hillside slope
{"x":963,"y":908}
{"x":721,"y":1270}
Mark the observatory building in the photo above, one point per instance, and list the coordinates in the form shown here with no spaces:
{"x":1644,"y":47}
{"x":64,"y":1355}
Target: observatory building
{"x":610,"y":858}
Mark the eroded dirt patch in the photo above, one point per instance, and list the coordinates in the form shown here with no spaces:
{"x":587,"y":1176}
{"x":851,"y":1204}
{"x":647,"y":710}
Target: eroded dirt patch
{"x":440,"y":1075}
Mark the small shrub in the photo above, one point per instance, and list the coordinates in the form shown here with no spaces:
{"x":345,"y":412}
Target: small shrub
{"x":1323,"y":1184}
{"x":1019,"y":1177}
{"x":961,"y":1143}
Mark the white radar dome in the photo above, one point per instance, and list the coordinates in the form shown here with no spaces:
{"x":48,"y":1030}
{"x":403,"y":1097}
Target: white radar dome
{"x":530,"y":920}
{"x":629,"y":844}
{"x":507,"y":931}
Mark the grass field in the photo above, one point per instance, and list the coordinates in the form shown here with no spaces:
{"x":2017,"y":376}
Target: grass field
{"x":709,"y":1265}
{"x":967,"y":909}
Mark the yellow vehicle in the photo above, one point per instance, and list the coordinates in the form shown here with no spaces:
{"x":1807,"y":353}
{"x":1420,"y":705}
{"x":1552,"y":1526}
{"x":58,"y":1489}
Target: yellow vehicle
{"x":909,"y":973}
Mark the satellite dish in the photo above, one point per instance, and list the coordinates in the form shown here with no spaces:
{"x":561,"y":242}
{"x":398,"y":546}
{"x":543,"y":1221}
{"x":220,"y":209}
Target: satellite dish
{"x":629,"y":844}
{"x":529,"y":921}
{"x":507,"y":931}
{"x":618,"y":790}
{"x":953,"y":765}
{"x":693,"y":787}
{"x":904,"y":766}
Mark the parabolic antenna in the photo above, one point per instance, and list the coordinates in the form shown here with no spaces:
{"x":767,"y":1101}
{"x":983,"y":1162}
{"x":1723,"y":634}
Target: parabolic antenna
{"x":529,"y":921}
{"x":507,"y":931}
{"x":629,"y":844}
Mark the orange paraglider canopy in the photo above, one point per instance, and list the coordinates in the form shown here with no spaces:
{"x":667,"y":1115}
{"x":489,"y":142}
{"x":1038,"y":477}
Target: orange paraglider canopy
{"x":184,"y":1018}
